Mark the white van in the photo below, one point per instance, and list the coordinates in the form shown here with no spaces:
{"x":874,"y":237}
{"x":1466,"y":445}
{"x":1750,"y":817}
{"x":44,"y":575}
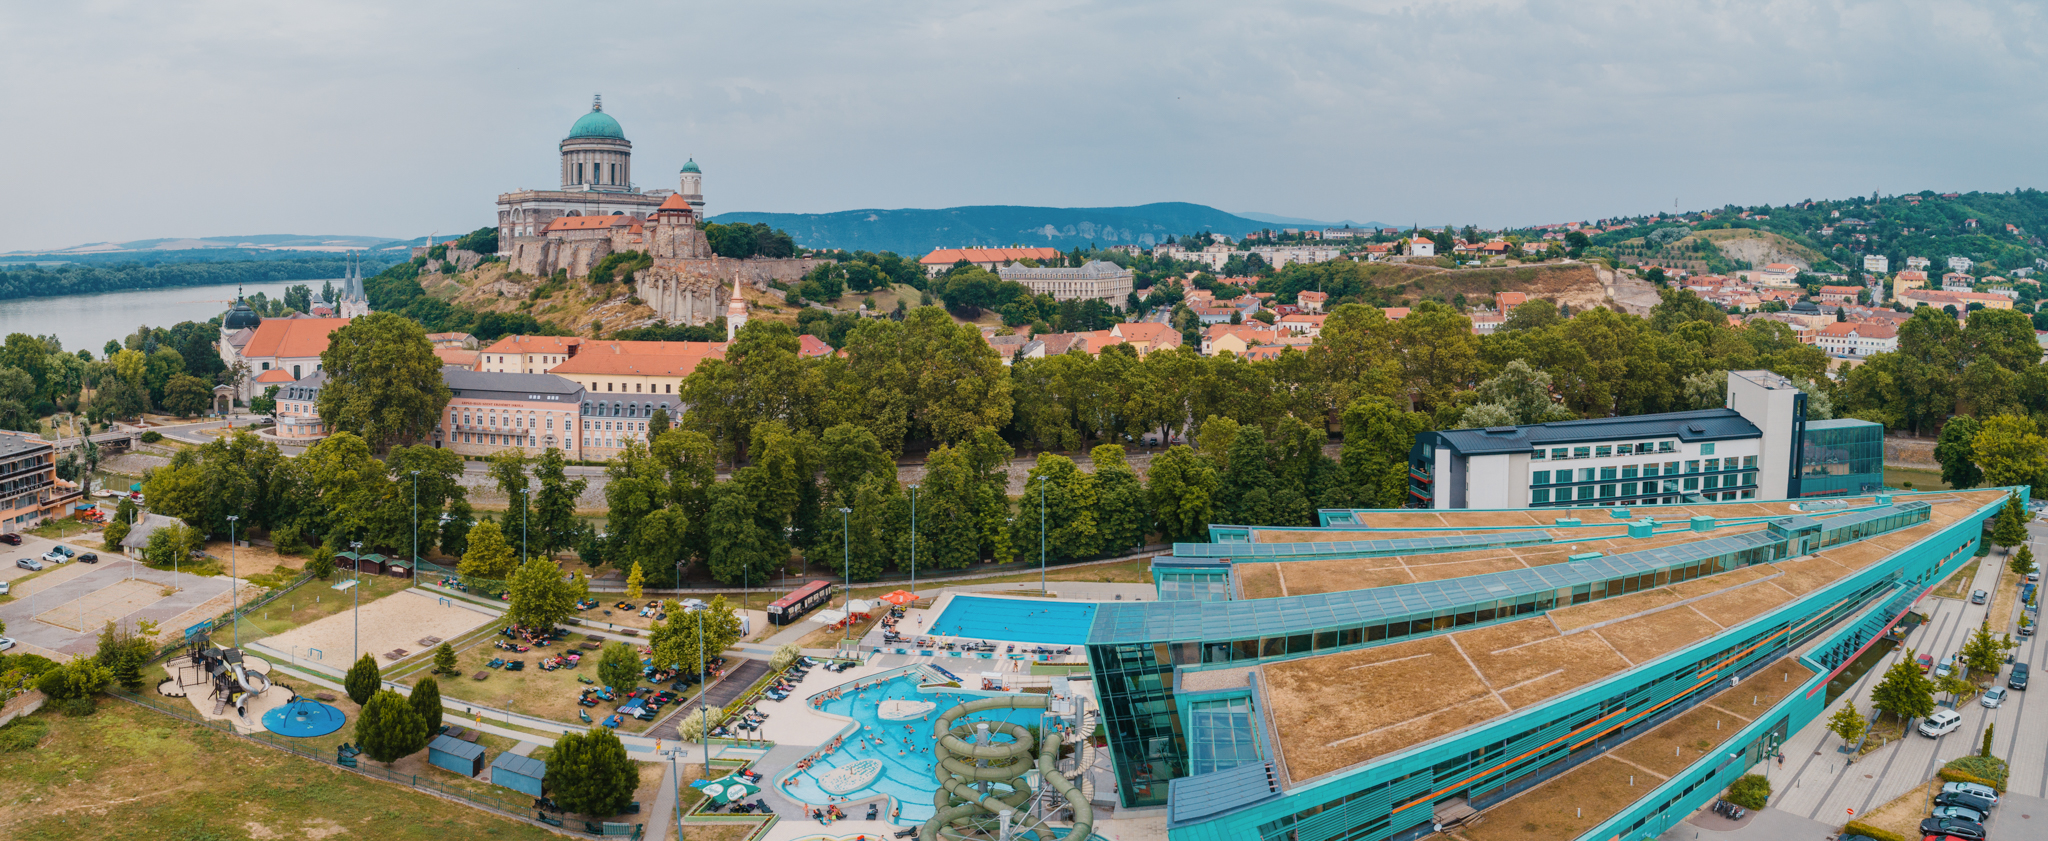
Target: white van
{"x":1941,"y":723}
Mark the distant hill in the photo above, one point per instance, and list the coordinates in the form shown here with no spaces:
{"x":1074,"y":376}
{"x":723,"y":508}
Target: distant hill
{"x":256,"y":242}
{"x":916,"y":231}
{"x":1298,"y":222}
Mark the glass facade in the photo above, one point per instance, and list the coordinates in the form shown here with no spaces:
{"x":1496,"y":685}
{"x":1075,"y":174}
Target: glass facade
{"x":1841,"y":458}
{"x":1221,"y":735}
{"x":1205,"y":586}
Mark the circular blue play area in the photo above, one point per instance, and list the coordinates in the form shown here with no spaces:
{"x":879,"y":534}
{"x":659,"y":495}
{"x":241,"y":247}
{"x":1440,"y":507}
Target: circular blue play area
{"x":303,"y":718}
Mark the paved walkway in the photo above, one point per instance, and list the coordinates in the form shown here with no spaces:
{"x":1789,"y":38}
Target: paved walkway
{"x":1814,"y":756}
{"x":1767,"y":825}
{"x":70,"y":582}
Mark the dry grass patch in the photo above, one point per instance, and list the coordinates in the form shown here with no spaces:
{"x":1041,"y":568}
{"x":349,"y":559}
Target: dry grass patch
{"x":1338,"y":576}
{"x":1258,"y":581}
{"x":1403,"y":520}
{"x":1708,"y":585}
{"x":1594,"y":612}
{"x":550,"y":695}
{"x":1494,"y":518}
{"x":2003,"y":597}
{"x":1643,"y":638}
{"x":1802,"y":577}
{"x":1440,"y":572}
{"x":1527,"y":663}
{"x":1857,"y":555}
{"x":1733,"y":607}
{"x":1564,"y":807}
{"x":1765,"y":688}
{"x":1543,"y":557}
{"x":1339,"y":709}
{"x":1680,"y":742}
{"x":1904,"y":813}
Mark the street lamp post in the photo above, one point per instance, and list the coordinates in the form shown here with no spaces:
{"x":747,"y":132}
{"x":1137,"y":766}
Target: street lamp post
{"x":703,"y":717}
{"x":357,"y":547}
{"x":235,"y":579}
{"x":1041,"y":534}
{"x":913,"y":541}
{"x":415,"y":528}
{"x":846,"y":560}
{"x":522,"y":526}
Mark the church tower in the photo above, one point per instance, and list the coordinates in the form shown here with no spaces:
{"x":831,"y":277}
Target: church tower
{"x":735,"y":312}
{"x":692,"y":187}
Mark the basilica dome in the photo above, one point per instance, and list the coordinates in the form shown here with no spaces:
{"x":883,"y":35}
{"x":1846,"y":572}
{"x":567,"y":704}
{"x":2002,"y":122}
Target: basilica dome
{"x":597,"y":123}
{"x":240,"y":316}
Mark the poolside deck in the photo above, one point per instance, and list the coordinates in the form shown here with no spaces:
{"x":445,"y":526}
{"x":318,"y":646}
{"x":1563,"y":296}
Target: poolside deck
{"x":1333,"y":711}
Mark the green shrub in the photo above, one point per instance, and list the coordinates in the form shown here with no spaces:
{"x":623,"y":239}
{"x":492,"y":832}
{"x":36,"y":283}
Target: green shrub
{"x":1861,"y":828}
{"x":1750,"y":791}
{"x":152,"y":436}
{"x":22,"y":734}
{"x":1983,"y":770}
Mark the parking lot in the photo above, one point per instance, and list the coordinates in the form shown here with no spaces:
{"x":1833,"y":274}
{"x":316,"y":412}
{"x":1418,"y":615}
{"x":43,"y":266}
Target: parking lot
{"x":84,"y":596}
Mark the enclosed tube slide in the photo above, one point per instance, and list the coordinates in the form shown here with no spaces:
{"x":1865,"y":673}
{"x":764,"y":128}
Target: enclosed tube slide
{"x":980,"y":778}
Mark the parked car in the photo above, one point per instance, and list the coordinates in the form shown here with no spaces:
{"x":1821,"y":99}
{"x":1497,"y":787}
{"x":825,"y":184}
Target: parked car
{"x":1959,"y":811}
{"x":6,"y":643}
{"x":55,"y":557}
{"x":1952,"y":826}
{"x":5,"y":587}
{"x":89,"y":558}
{"x":1979,"y":597}
{"x":1947,"y":667}
{"x":1925,"y":662}
{"x":2018,"y":678}
{"x":11,"y":539}
{"x":1981,"y":791}
{"x":1964,"y":798}
{"x":1993,"y":697}
{"x":1941,"y":723}
{"x":30,"y":564}
{"x":68,"y":551}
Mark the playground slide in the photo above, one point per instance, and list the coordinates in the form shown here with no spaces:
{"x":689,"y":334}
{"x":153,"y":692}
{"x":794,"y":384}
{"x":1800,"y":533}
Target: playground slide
{"x":251,"y":682}
{"x":957,"y":799}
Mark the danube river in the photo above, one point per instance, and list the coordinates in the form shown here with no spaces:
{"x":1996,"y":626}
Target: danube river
{"x":90,"y":321}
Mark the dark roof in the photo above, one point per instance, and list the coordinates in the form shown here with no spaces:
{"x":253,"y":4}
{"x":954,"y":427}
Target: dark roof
{"x":19,"y":443}
{"x":1698,"y":425}
{"x":466,"y":383}
{"x":1192,"y":799}
{"x":305,"y":389}
{"x":525,"y":766}
{"x":455,"y":747}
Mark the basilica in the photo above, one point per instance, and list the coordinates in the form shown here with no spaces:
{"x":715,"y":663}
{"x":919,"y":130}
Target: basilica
{"x":598,"y":211}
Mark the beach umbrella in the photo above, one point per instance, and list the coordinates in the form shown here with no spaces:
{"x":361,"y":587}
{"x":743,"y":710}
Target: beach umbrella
{"x":716,"y":792}
{"x":829,"y":617}
{"x":899,"y":598}
{"x":858,"y":606}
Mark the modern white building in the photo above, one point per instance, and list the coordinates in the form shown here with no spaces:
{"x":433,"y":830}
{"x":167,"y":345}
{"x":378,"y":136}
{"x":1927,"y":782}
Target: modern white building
{"x":1751,"y":449}
{"x":1960,"y":264}
{"x":1878,"y":263}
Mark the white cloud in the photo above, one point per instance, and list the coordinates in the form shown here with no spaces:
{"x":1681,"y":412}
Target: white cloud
{"x":153,"y":119}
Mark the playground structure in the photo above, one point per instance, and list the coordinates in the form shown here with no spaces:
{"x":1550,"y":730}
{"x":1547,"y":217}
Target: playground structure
{"x":983,"y":791}
{"x":223,"y":671}
{"x":303,"y":718}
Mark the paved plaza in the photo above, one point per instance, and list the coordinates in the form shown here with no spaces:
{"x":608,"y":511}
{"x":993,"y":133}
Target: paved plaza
{"x":61,"y":610}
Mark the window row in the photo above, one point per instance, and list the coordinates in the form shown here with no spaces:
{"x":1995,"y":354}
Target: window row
{"x":1631,"y":471}
{"x":1610,"y":450}
{"x":1539,"y":496}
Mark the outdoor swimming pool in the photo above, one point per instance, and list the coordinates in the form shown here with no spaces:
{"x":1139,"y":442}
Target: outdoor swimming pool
{"x":1022,"y":620}
{"x":905,"y":768}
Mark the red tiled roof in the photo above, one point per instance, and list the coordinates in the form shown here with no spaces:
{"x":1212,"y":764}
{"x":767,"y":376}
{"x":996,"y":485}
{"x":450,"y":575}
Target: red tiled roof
{"x":811,"y":347}
{"x":533,"y":344}
{"x":591,"y":223}
{"x":674,"y":202}
{"x":641,"y":359}
{"x":284,"y":338}
{"x":462,"y":357}
{"x":949,"y":256}
{"x":275,"y":375}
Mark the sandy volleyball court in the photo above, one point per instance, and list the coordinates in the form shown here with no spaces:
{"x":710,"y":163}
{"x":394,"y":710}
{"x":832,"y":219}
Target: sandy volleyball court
{"x":390,"y":623}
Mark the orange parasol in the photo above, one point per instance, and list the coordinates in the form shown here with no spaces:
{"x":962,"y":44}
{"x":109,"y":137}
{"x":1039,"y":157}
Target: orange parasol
{"x":899,"y":598}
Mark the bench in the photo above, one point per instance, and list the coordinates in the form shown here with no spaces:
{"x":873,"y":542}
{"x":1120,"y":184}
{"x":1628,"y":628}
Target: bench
{"x":396,"y":654}
{"x":610,"y":830}
{"x":429,"y":641}
{"x":480,"y":675}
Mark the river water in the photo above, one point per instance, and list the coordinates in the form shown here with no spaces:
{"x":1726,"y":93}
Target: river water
{"x":90,"y":321}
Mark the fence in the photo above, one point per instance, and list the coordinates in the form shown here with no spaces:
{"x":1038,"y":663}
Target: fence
{"x":235,"y":614}
{"x":515,"y":809}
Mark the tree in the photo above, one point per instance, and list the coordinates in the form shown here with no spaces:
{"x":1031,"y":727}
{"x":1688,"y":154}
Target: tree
{"x":541,"y":598}
{"x":1985,"y":751}
{"x":2023,"y":560}
{"x":426,"y":703}
{"x":635,"y":582}
{"x":507,"y":468}
{"x":676,"y":642}
{"x":2010,"y":452}
{"x":489,"y":556}
{"x":186,"y":395}
{"x":1847,"y":723}
{"x":1905,"y":691}
{"x":383,"y":381}
{"x":170,"y":545}
{"x":657,"y":423}
{"x":619,"y":667}
{"x":1956,"y":451}
{"x":388,"y":728}
{"x":363,"y":680}
{"x":1955,"y":687}
{"x":1524,"y":392}
{"x":1181,"y":493}
{"x":444,"y":660}
{"x":1982,"y":653}
{"x":554,"y":507}
{"x":123,"y":652}
{"x":590,"y":774}
{"x":82,"y":677}
{"x":2009,"y":529}
{"x":1060,"y":496}
{"x":1120,"y":505}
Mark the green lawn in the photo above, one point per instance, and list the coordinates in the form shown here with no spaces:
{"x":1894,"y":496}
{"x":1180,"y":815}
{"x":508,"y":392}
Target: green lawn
{"x":128,"y":773}
{"x":1915,"y":478}
{"x":313,"y":600}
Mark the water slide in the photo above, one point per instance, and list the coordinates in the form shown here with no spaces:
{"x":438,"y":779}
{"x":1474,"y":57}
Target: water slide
{"x":980,"y":778}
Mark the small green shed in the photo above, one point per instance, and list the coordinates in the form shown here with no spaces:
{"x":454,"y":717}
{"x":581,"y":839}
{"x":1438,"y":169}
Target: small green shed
{"x":455,"y":755}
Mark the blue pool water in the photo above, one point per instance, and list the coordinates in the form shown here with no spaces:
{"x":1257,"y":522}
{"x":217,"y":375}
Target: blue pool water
{"x":1023,"y":620}
{"x":907,"y":768}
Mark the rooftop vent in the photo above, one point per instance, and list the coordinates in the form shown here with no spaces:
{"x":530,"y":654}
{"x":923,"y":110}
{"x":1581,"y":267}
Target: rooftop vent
{"x":1500,"y":430}
{"x":1695,"y":429}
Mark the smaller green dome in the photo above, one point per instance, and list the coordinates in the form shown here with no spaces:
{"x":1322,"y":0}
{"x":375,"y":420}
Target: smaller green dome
{"x":692,"y":166}
{"x":597,"y":123}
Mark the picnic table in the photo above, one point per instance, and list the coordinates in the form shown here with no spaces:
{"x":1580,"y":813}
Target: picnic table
{"x":396,"y":654}
{"x":429,"y":641}
{"x":324,"y":697}
{"x":591,"y":646}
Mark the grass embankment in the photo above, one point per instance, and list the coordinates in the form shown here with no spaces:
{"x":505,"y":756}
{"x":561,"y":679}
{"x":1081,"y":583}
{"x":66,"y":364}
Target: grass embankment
{"x":546,"y":694}
{"x":1914,"y":478}
{"x":128,"y":773}
{"x":1903,"y":814}
{"x":1958,"y":585}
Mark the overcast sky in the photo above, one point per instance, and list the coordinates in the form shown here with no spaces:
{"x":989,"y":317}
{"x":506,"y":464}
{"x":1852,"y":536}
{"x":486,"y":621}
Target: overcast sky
{"x":136,"y":120}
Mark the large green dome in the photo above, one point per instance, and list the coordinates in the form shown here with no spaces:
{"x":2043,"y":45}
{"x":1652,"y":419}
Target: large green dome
{"x":692,"y":166}
{"x":597,"y":123}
